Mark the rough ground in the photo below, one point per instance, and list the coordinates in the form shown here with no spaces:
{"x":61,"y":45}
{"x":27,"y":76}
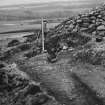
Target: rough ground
{"x":78,"y":76}
{"x":72,"y":84}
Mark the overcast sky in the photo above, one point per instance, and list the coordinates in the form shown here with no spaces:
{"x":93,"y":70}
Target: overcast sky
{"x":12,"y":2}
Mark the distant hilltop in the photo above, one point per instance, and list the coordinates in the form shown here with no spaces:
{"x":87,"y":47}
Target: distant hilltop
{"x":60,"y":9}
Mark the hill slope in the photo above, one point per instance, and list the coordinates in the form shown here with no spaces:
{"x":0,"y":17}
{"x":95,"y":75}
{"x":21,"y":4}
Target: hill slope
{"x":78,"y":76}
{"x":47,"y":10}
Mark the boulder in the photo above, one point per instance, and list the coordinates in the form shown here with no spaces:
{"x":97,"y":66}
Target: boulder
{"x":75,"y":30}
{"x":101,"y":27}
{"x":13,"y":43}
{"x":91,"y":25}
{"x":71,"y":26}
{"x":99,"y":16}
{"x":99,"y":39}
{"x":79,"y":21}
{"x":94,"y":33}
{"x":85,"y":25}
{"x":86,"y":20}
{"x":93,"y":17}
{"x":93,"y":21}
{"x":98,"y":23}
{"x":83,"y":29}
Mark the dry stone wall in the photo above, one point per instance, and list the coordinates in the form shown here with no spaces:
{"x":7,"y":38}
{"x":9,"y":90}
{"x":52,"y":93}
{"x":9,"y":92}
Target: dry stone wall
{"x":92,"y":22}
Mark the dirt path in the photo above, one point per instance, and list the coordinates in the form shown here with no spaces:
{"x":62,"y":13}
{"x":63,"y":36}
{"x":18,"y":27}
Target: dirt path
{"x":69,"y":85}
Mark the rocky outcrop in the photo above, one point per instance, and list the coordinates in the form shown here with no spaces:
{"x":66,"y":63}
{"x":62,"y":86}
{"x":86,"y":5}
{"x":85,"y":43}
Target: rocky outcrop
{"x":13,"y":43}
{"x":91,"y":22}
{"x":16,"y":88}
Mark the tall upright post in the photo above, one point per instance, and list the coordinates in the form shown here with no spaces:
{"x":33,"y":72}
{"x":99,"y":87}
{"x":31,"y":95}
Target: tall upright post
{"x":42,"y":36}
